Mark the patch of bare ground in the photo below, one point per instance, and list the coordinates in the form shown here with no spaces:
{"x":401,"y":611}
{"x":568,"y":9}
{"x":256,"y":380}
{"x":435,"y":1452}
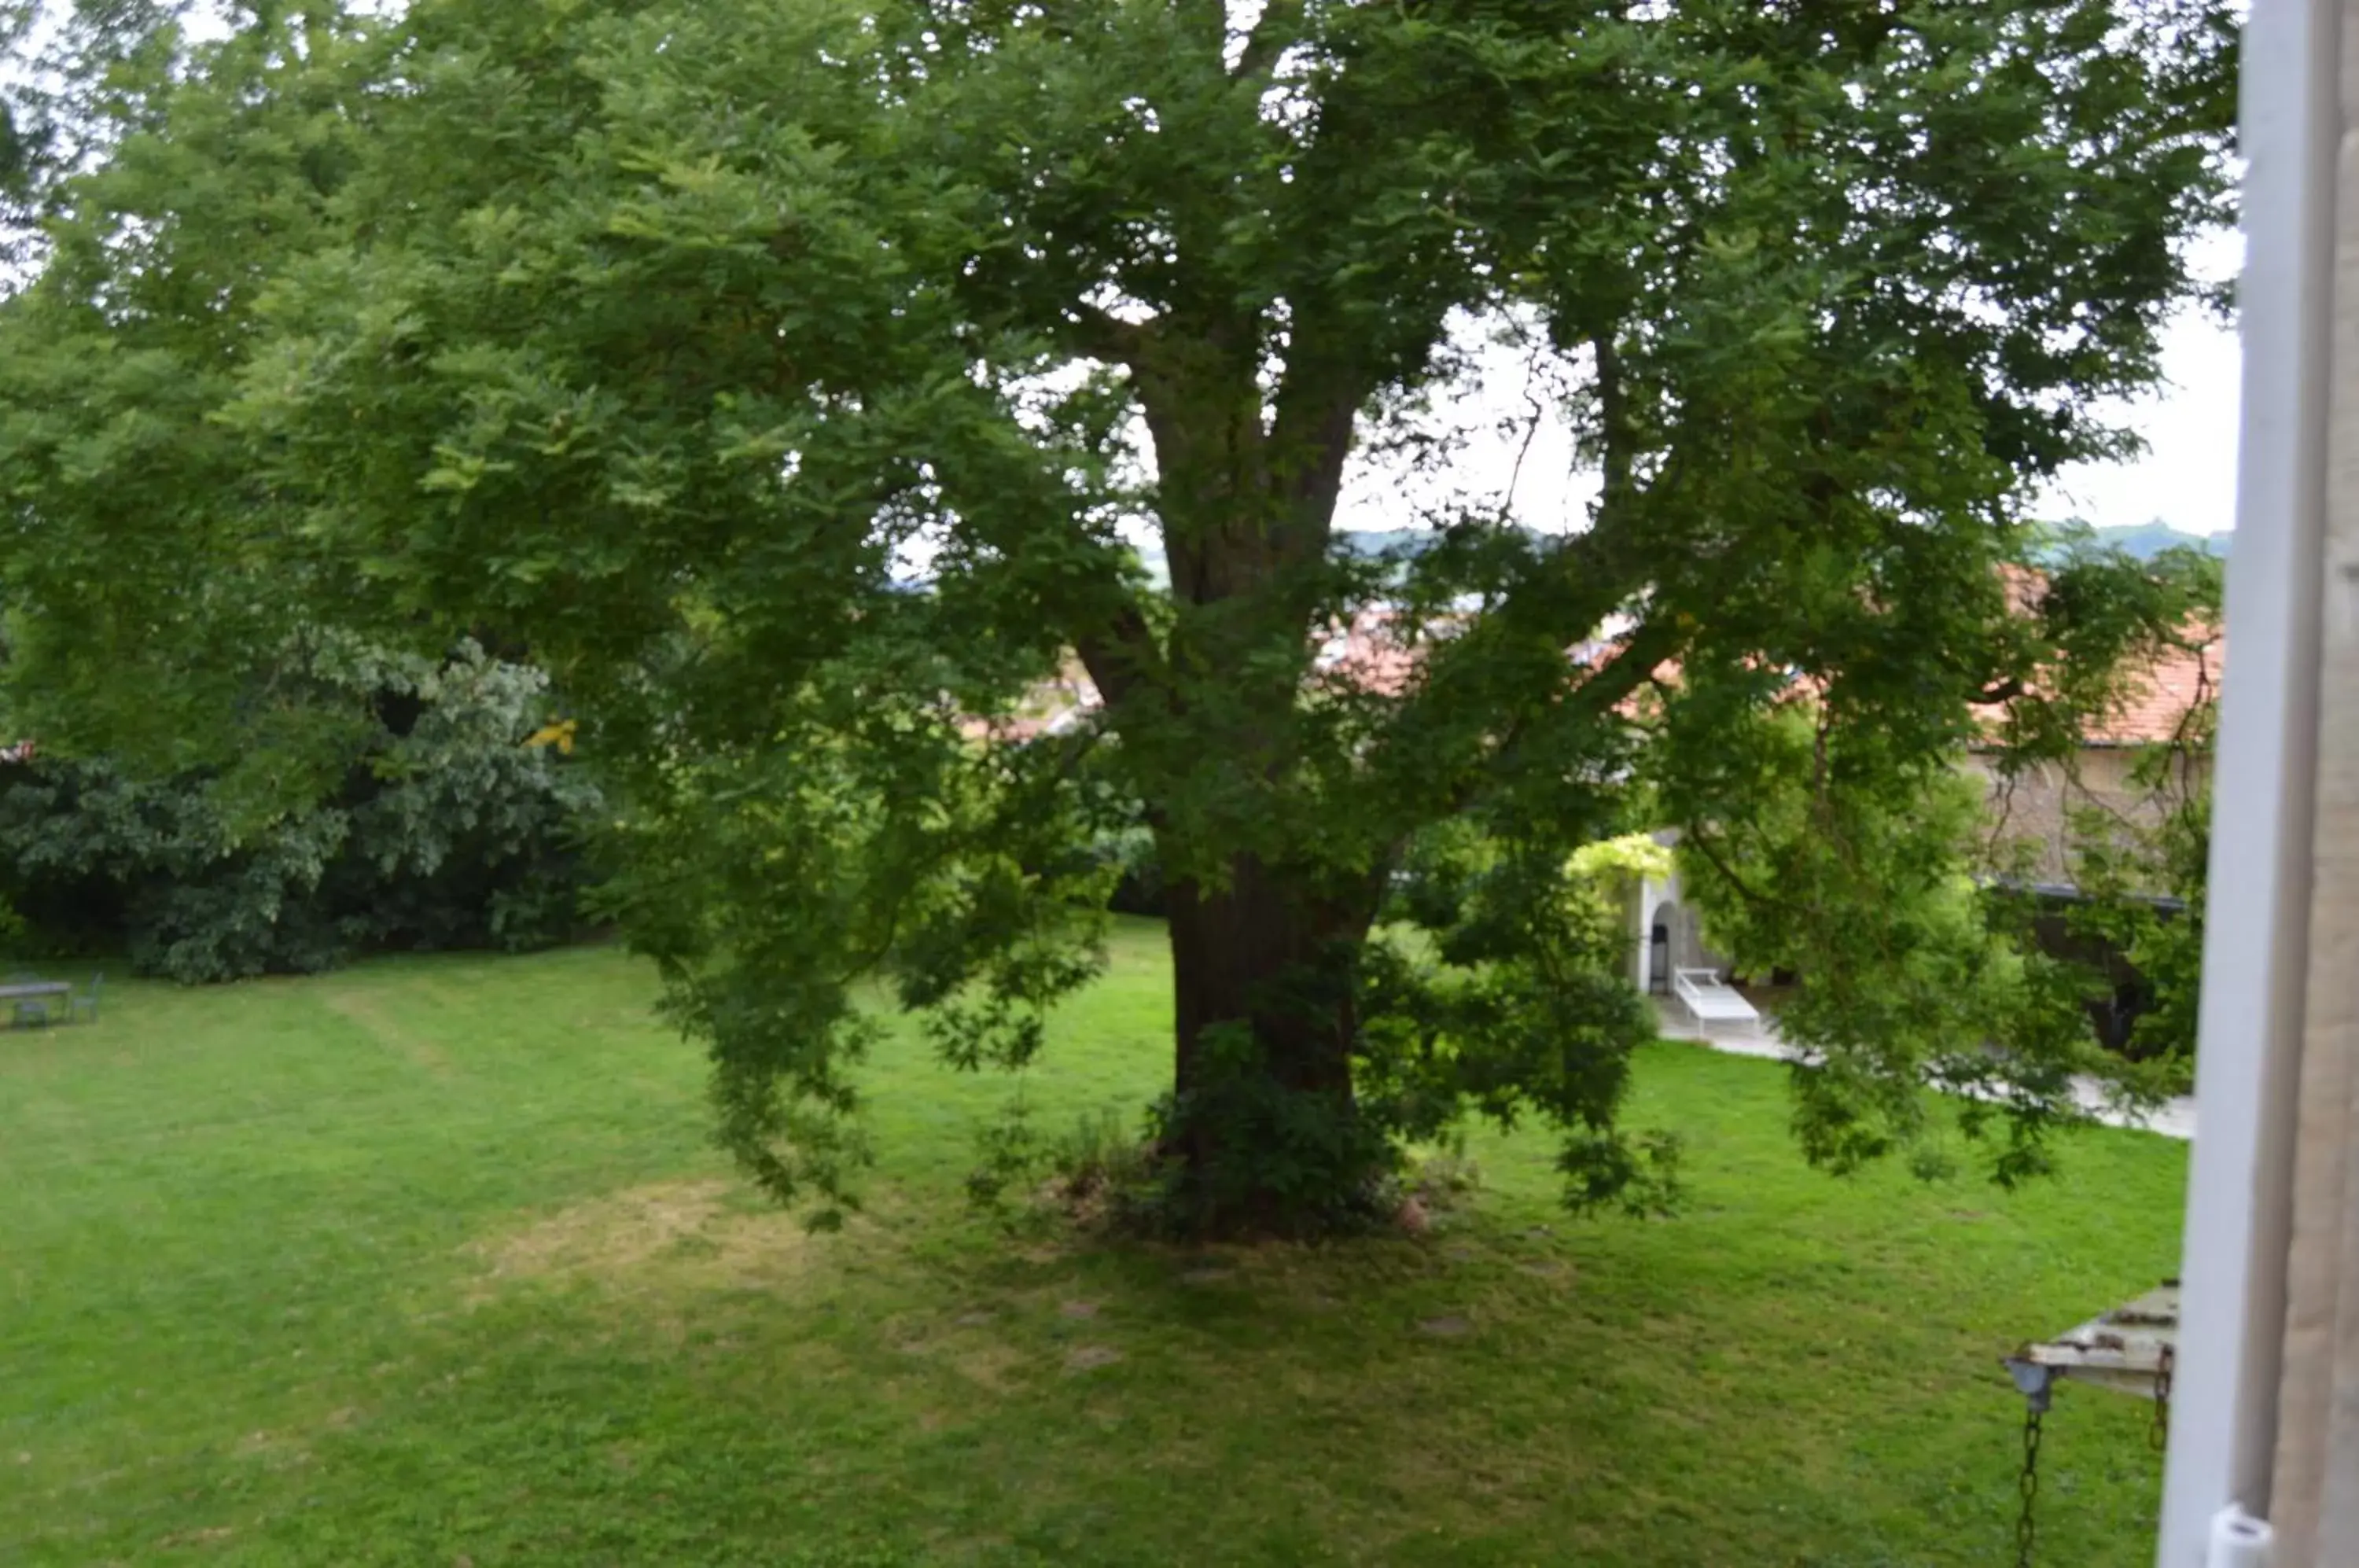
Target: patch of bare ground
{"x":366,"y":1010}
{"x":665,"y":1234}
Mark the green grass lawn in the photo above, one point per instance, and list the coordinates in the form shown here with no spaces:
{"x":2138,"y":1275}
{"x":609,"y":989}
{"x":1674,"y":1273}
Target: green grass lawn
{"x":429,"y":1263}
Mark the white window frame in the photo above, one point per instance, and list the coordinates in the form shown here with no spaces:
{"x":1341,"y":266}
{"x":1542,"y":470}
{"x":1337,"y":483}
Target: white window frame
{"x":2223,"y":1414}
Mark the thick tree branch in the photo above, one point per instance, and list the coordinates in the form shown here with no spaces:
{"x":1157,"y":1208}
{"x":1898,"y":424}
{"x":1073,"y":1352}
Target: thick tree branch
{"x":1613,"y":418}
{"x":1311,"y":439}
{"x":1313,"y":422}
{"x":1606,"y":687}
{"x":1695,"y":838}
{"x":1120,"y":655}
{"x":1614,"y":682}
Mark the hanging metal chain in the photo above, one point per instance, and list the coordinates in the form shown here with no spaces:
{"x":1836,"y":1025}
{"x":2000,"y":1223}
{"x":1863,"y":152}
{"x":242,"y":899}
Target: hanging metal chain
{"x":2157,"y":1432}
{"x":2027,"y":1484}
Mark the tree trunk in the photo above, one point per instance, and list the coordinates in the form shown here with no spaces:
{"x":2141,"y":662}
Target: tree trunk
{"x":1265,"y":1124}
{"x":1262,"y":1128}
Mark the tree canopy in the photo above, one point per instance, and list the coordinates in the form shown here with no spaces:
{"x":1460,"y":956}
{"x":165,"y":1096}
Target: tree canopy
{"x":792,"y":382}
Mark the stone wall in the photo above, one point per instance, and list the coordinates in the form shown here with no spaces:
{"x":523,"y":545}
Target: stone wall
{"x":2031,"y":813}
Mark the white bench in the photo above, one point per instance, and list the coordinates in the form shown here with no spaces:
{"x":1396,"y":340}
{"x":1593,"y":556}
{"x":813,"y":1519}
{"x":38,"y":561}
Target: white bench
{"x":1709,"y":1000}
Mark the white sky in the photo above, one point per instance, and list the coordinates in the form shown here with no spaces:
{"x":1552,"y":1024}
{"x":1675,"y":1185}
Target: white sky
{"x":2187,"y":477}
{"x":1489,"y":410}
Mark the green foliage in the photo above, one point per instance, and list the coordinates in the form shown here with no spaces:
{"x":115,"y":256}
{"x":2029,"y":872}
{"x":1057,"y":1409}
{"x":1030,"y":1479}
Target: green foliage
{"x":1610,"y":861}
{"x":1104,"y":1171}
{"x":674,"y":341}
{"x":447,"y":831}
{"x":768,"y":881}
{"x":1814,"y":848}
{"x":1444,"y":1178}
{"x":2127,"y":866}
{"x":2146,"y":885}
{"x":1512,"y":1001}
{"x":1138,"y":888}
{"x":1855,"y":876}
{"x":1283,"y":1160}
{"x":2140,"y":864}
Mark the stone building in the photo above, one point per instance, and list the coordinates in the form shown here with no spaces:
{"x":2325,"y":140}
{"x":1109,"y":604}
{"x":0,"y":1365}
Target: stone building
{"x":2031,"y":819}
{"x":2031,"y":813}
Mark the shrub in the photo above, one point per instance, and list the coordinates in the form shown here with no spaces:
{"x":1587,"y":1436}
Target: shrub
{"x":445,"y":831}
{"x":1138,"y":889}
{"x":1103,"y":1160}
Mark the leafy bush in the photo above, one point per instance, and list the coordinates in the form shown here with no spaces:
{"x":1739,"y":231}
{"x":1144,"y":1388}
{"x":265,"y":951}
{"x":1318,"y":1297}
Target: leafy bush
{"x":2132,"y":927}
{"x":1138,"y":889}
{"x":1104,"y":1154}
{"x":2143,"y":891}
{"x":445,"y":831}
{"x":1103,"y":1173}
{"x":1438,"y":1180}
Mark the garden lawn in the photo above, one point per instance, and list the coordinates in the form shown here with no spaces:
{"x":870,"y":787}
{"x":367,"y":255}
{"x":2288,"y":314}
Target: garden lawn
{"x":430,"y":1262}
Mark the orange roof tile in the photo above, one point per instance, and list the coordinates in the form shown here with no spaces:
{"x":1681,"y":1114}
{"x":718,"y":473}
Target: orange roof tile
{"x":2162,"y":696}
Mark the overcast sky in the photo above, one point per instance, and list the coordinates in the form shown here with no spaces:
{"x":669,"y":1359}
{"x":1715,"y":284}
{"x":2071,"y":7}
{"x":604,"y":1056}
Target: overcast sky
{"x":2188,"y":477}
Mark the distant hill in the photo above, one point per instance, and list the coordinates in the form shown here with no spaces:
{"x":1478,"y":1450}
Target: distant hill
{"x":1374,"y":541}
{"x":1367,"y":543}
{"x":2142,"y":540}
{"x":2146,"y":540}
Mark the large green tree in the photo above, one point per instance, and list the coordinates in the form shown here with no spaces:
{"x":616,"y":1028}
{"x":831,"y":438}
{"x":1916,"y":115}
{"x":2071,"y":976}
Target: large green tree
{"x":791,"y":379}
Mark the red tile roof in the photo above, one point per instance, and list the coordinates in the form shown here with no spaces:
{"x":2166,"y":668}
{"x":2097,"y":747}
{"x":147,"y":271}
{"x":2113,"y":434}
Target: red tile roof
{"x":2163,"y":694}
{"x":2159,"y":698}
{"x":1376,"y":652}
{"x":1371,"y":653}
